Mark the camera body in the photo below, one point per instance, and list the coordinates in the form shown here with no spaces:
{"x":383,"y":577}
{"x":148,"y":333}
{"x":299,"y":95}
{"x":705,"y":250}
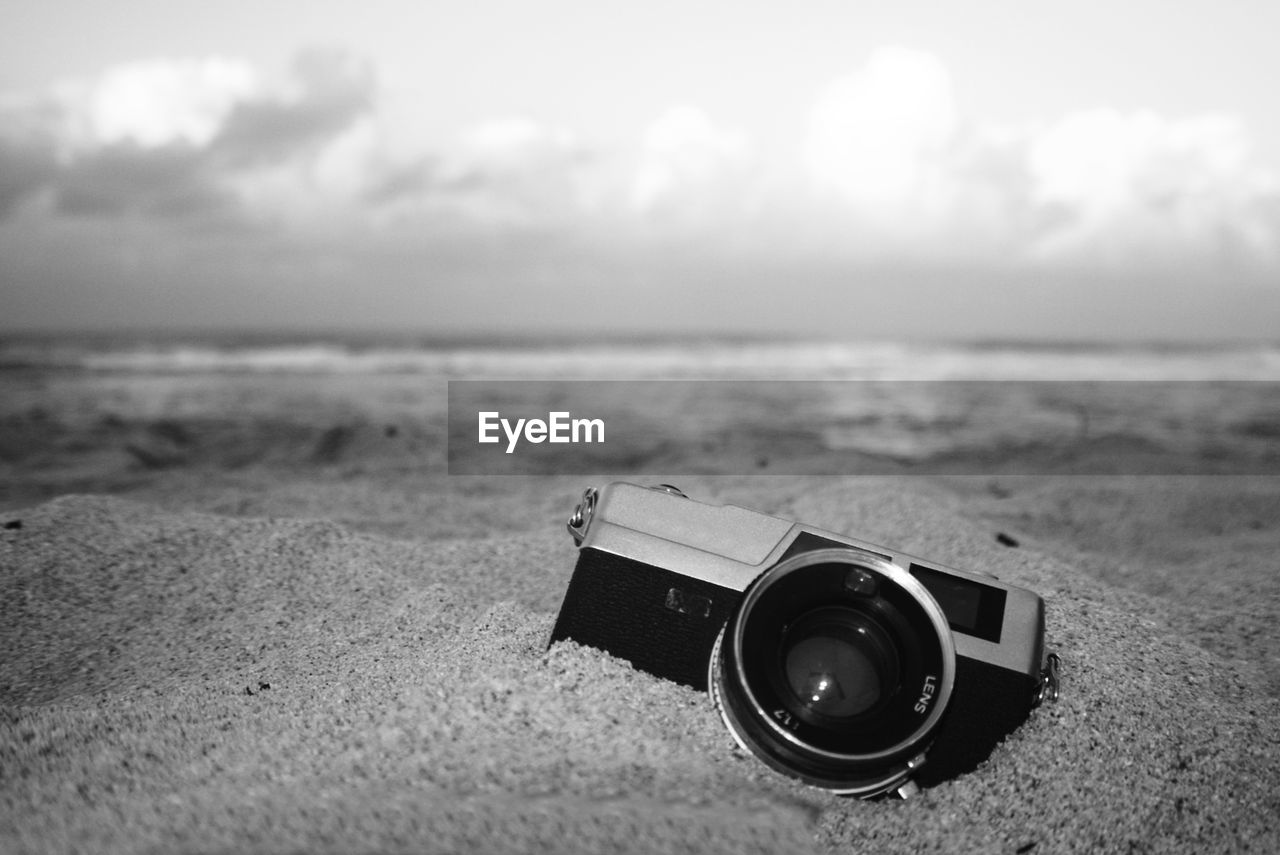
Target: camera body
{"x":935,"y":664}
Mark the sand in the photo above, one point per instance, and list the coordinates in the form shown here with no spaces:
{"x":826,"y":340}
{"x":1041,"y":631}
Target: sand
{"x":254,"y":614}
{"x":185,"y":681}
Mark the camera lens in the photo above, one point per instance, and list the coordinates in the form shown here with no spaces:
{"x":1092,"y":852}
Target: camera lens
{"x":841,"y":685}
{"x":837,"y":663}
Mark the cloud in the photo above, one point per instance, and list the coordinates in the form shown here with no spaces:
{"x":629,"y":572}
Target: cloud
{"x":889,"y":150}
{"x":176,"y":138}
{"x":690,"y":168}
{"x":158,"y":103}
{"x":888,"y":168}
{"x":1128,"y":185}
{"x":326,"y":94}
{"x":193,"y":138}
{"x":882,"y":138}
{"x":515,"y":172}
{"x":895,"y":170}
{"x":167,"y":181}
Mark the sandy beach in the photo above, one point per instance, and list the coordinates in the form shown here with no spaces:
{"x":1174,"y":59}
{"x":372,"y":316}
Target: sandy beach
{"x":225,"y":629}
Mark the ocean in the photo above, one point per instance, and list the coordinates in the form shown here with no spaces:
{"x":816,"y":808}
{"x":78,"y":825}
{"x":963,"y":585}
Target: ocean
{"x":101,"y":412}
{"x":651,"y":357}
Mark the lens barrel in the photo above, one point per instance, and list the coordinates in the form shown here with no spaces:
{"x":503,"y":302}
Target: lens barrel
{"x":836,"y":669}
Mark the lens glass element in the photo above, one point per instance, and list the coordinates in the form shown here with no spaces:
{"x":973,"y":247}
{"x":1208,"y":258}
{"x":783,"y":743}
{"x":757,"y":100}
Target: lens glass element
{"x":837,"y":663}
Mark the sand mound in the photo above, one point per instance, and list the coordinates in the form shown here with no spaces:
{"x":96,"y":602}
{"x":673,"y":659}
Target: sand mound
{"x":192,"y":682}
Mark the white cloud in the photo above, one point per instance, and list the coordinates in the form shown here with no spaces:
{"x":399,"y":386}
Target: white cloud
{"x":515,"y":139}
{"x":691,"y":168}
{"x":881,"y":138}
{"x":888,"y":168}
{"x":162,"y":102}
{"x":889,"y":146}
{"x":1132,"y":185}
{"x":171,"y":139}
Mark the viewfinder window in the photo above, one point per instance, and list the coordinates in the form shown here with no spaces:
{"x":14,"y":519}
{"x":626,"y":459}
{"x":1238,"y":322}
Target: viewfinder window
{"x":971,"y":607}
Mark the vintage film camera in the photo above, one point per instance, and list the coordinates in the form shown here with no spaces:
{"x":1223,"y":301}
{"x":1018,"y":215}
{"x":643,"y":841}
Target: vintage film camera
{"x":838,"y":662}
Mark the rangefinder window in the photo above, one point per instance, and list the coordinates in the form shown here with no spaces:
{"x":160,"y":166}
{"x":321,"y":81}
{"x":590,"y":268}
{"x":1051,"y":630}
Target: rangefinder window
{"x":971,"y":607}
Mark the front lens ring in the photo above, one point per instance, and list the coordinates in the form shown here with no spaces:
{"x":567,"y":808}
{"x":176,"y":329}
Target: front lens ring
{"x":760,"y":727}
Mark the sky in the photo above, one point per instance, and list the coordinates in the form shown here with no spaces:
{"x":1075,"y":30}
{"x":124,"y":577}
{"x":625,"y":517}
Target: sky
{"x":946,"y":170}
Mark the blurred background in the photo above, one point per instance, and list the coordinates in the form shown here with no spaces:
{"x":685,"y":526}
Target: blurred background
{"x":911,"y":171}
{"x":266,"y":234}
